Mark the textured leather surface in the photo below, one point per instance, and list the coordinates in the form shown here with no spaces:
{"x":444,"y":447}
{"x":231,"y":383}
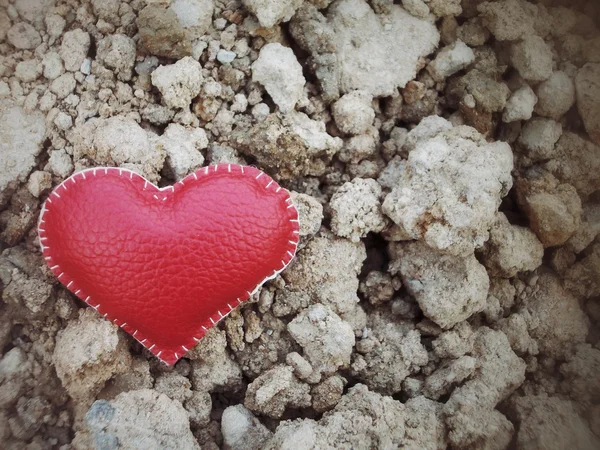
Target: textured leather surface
{"x":167,"y":264}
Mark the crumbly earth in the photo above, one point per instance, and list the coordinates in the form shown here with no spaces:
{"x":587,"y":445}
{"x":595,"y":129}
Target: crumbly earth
{"x":444,"y":157}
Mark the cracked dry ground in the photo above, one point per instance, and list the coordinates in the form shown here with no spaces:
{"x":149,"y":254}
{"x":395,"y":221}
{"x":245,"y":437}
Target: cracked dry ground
{"x":445,"y":159}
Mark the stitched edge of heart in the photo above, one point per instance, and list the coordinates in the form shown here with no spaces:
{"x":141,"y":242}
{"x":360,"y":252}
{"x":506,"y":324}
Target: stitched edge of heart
{"x":218,"y":316}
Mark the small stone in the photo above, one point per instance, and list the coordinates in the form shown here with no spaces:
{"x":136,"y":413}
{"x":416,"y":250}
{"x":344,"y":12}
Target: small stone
{"x":377,"y":287}
{"x":520,"y":105}
{"x":375,"y":57}
{"x":86,"y":66}
{"x":179,"y":83}
{"x":241,"y":430}
{"x":441,"y":381}
{"x":449,"y":289}
{"x":199,"y":407}
{"x":161,"y":34}
{"x":587,"y":84}
{"x":278,"y":70}
{"x":63,"y":85}
{"x":39,"y":183}
{"x":23,"y":36}
{"x":116,"y":52}
{"x":413,"y":92}
{"x":511,"y":249}
{"x":22,"y":136}
{"x":328,"y":393}
{"x":195,"y":16}
{"x":89,"y":352}
{"x":260,"y":112}
{"x":327,"y":341}
{"x":275,"y":390}
{"x":556,"y":95}
{"x":450,"y":60}
{"x":74,"y":48}
{"x":53,"y":66}
{"x":60,"y":163}
{"x":508,"y":20}
{"x":183,"y":147}
{"x":538,"y":138}
{"x":240,"y":103}
{"x":4,"y":25}
{"x":173,"y":385}
{"x":63,"y":121}
{"x":55,"y":25}
{"x":302,"y":368}
{"x":28,"y":71}
{"x":356,"y":209}
{"x":225,"y":56}
{"x":552,"y":423}
{"x":310,"y":212}
{"x":4,"y":89}
{"x":271,"y":12}
{"x":142,"y":416}
{"x":353,"y":113}
{"x":553,"y":208}
{"x":429,"y":201}
{"x":532,"y":58}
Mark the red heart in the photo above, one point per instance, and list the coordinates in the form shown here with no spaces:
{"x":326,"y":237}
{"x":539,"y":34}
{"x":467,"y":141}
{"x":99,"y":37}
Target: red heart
{"x":167,"y":264}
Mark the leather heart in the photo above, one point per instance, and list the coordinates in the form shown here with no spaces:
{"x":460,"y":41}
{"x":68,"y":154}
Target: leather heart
{"x":167,"y":264}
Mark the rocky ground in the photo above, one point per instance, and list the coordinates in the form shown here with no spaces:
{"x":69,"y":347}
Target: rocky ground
{"x":445,"y":159}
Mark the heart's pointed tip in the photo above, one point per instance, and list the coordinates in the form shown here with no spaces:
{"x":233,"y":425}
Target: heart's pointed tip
{"x":168,"y":357}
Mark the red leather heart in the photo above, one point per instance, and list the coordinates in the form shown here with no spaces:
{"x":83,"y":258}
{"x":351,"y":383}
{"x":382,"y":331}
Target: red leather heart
{"x":167,"y":264}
